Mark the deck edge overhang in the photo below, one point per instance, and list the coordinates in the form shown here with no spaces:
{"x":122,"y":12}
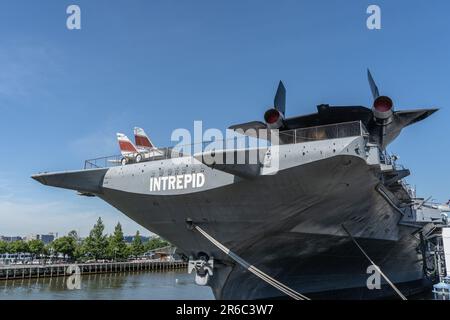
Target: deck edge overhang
{"x":90,"y":181}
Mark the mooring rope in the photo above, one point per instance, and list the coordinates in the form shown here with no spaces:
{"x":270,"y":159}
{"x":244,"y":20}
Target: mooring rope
{"x":265,"y":277}
{"x":374,"y":265}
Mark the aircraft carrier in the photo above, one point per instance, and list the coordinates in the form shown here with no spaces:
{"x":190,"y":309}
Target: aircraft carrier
{"x":332,"y":175}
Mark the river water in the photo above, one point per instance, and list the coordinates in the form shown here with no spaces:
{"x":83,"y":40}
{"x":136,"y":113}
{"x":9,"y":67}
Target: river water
{"x":133,"y":285}
{"x":170,"y":285}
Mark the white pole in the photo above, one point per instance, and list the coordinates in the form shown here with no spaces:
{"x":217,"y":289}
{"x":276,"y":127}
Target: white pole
{"x":446,"y":244}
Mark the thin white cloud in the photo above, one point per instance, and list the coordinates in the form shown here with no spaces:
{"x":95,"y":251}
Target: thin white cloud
{"x":5,"y":189}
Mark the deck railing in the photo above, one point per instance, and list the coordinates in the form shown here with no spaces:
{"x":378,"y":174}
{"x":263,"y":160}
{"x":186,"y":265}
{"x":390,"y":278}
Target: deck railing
{"x":115,"y":160}
{"x":325,"y":132}
{"x":301,"y":135}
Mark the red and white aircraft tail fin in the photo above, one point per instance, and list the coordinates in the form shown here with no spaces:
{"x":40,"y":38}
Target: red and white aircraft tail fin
{"x":142,"y":140}
{"x":126,"y":146}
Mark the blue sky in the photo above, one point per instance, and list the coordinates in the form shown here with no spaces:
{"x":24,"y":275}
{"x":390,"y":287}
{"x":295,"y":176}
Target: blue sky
{"x":163,"y":64}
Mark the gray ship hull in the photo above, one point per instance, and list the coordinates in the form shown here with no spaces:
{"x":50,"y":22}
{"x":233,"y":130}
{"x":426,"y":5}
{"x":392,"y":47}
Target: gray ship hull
{"x":327,"y":267}
{"x":290,"y":226}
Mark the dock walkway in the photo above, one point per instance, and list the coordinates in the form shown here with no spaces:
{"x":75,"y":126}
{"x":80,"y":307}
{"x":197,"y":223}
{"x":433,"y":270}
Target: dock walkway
{"x":58,"y":270}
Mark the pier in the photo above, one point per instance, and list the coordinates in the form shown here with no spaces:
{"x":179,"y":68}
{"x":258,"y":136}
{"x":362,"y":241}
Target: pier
{"x":60,"y":270}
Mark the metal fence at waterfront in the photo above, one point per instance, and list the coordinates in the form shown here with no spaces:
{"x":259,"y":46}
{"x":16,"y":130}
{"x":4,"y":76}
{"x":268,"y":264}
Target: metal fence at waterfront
{"x":58,"y":270}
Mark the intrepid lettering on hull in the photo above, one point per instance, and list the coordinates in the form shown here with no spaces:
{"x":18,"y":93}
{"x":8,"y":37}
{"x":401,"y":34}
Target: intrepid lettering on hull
{"x":178,"y":182}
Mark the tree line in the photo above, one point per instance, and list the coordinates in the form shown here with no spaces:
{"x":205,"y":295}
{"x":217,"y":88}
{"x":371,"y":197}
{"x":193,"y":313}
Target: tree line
{"x":97,"y":246}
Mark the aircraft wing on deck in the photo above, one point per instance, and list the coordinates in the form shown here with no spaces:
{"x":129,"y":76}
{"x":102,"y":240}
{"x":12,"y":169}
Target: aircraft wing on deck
{"x":255,"y":129}
{"x":408,"y":117}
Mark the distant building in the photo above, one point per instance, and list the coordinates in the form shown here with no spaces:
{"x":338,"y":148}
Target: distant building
{"x":10,"y":239}
{"x":45,"y":238}
{"x":129,"y":239}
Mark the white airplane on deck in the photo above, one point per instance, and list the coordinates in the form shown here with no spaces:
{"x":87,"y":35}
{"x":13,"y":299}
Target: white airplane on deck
{"x":143,"y":150}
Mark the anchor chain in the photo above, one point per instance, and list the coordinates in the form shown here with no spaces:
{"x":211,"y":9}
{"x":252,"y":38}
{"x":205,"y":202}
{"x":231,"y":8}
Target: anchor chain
{"x":265,"y":277}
